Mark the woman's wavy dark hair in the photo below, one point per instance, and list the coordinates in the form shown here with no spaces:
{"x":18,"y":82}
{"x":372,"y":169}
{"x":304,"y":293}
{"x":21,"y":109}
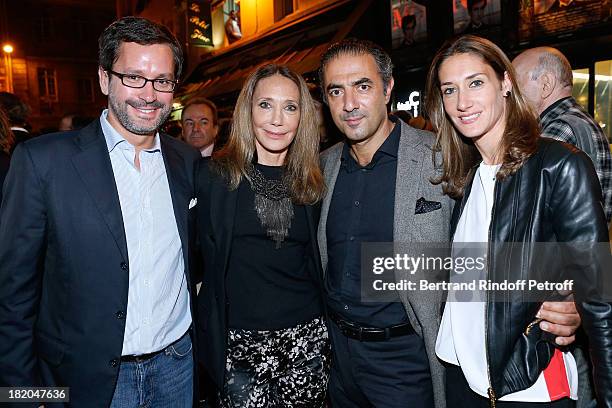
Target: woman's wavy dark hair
{"x":7,"y":140}
{"x":459,"y":155}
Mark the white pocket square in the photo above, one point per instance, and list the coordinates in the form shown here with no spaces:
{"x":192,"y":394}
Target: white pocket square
{"x":193,"y":203}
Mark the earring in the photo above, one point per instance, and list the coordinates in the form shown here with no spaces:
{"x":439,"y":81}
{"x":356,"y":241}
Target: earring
{"x":507,"y":94}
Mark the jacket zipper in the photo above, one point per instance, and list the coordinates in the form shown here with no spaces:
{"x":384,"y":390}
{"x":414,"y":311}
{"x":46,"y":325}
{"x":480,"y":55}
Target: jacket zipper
{"x":490,"y":391}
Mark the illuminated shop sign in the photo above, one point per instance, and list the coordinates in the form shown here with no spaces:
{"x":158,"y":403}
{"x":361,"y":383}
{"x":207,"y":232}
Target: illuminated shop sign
{"x":411,"y":104}
{"x":199,"y":23}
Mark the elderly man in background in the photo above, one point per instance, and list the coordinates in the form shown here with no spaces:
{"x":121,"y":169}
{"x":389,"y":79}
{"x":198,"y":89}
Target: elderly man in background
{"x":200,"y":123}
{"x":545,"y":78}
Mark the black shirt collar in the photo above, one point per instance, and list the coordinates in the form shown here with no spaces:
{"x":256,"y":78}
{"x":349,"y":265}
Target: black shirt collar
{"x":389,"y":148}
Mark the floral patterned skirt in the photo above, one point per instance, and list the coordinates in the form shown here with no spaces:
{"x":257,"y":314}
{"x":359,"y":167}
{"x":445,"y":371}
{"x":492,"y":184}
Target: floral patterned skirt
{"x":277,"y":368}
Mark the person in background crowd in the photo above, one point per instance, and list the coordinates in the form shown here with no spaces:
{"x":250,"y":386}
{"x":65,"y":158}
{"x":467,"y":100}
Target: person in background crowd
{"x":419,"y":122}
{"x":379,"y":190}
{"x":261,"y":326}
{"x":404,"y":115}
{"x":513,"y":186}
{"x":328,"y":132}
{"x":232,"y":28}
{"x":545,"y":78}
{"x":173,"y":128}
{"x":476,"y":10}
{"x":65,"y":122}
{"x":200,"y":124}
{"x":225,"y":126}
{"x":17,"y":112}
{"x":6,"y":146}
{"x":409,"y":24}
{"x":73,"y":121}
{"x":94,"y":284}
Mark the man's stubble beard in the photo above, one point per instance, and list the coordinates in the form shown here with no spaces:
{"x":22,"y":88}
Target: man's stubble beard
{"x":120,"y":110}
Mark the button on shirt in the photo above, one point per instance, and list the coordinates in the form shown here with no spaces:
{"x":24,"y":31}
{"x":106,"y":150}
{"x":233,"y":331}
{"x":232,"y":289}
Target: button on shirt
{"x":158,"y":301}
{"x":361,"y":210}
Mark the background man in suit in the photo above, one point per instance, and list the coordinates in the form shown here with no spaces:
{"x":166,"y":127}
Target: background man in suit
{"x":545,"y":77}
{"x":379,"y":190}
{"x":200,"y":123}
{"x":94,"y":285}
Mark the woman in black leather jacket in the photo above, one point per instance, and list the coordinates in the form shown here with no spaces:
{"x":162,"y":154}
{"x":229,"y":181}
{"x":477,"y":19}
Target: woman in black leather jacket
{"x":524,"y":198}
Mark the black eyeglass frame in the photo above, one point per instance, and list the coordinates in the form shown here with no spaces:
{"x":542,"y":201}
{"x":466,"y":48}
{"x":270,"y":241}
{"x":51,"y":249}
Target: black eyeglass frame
{"x":152,"y":81}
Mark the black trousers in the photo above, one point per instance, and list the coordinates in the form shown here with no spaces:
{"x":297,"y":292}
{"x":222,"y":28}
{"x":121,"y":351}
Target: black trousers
{"x":460,"y":395}
{"x":382,"y":374}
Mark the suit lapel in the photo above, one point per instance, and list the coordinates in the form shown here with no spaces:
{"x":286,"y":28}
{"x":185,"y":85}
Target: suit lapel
{"x":180,"y":190}
{"x":407,"y":186}
{"x":410,"y":161}
{"x":223,"y":213}
{"x":330,"y":173}
{"x":94,"y":167}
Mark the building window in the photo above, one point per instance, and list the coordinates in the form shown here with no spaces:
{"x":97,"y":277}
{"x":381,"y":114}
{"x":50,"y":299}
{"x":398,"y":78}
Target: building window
{"x":408,"y":22}
{"x":47,"y":85}
{"x":44,"y":26}
{"x":603,"y":96}
{"x":85,"y":90}
{"x":472,"y":16}
{"x":580,"y":90}
{"x":282,"y":8}
{"x":80,"y":30}
{"x":230,"y":5}
{"x":233,"y":28}
{"x":599,"y":105}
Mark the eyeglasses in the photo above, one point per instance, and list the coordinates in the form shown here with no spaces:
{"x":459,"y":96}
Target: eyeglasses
{"x":137,"y":81}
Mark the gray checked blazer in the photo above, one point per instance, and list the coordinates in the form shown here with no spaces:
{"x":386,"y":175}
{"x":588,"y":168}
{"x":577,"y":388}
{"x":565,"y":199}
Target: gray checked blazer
{"x":414,"y":169}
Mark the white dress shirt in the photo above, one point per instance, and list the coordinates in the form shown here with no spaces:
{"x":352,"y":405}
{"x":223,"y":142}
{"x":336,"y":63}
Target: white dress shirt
{"x":158,"y":300}
{"x":207,"y":151}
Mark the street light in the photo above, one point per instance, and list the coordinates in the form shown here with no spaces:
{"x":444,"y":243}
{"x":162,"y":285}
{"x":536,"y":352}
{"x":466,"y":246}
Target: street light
{"x":8,"y":63}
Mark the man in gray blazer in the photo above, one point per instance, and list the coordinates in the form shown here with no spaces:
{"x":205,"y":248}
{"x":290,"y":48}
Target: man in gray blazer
{"x":379,"y":190}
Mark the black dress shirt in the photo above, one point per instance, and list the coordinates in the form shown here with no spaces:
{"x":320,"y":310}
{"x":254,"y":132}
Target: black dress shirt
{"x":361,"y":210}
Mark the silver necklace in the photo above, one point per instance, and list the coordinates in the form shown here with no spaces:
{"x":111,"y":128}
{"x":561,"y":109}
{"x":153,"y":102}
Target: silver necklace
{"x":272,"y":204}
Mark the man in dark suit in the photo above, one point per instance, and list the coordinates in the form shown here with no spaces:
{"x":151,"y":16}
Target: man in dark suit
{"x":95,"y":293}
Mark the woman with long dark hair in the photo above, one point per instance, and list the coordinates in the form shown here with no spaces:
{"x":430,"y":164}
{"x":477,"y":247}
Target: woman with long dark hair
{"x":260,"y":322}
{"x":520,"y":195}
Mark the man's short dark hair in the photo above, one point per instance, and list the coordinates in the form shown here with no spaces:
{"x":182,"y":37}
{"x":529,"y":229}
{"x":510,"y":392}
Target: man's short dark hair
{"x":16,"y":110}
{"x":140,"y":31}
{"x":354,"y":46}
{"x":199,"y":100}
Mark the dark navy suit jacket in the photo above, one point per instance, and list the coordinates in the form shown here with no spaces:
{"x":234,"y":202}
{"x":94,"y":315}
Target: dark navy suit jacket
{"x":64,"y":262}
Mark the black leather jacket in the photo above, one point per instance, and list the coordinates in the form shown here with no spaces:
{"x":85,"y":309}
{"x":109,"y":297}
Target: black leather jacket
{"x":553,"y":197}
